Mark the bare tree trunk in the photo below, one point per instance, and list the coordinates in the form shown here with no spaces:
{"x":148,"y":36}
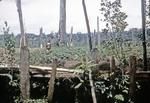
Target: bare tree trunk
{"x":87,"y":24}
{"x":95,"y":39}
{"x":98,"y":33}
{"x":24,"y":58}
{"x":41,"y":42}
{"x":52,"y":82}
{"x":143,"y":31}
{"x":62,"y":21}
{"x":71,"y":37}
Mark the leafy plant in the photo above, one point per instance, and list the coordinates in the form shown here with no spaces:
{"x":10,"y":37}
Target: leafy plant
{"x":114,"y":90}
{"x":9,"y":45}
{"x":115,"y":22}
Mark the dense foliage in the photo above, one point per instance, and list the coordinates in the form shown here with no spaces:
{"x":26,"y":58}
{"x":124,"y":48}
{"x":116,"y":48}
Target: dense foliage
{"x":8,"y":46}
{"x":115,"y":21}
{"x":109,"y":88}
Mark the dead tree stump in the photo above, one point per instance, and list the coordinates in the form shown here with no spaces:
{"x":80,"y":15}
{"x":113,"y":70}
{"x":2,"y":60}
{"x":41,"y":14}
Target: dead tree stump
{"x":52,"y":81}
{"x":132,"y":66}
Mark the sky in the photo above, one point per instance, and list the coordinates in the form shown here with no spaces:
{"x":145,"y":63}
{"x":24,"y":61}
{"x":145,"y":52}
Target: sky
{"x":45,"y":13}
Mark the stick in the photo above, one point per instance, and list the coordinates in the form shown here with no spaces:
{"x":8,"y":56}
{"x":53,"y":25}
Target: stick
{"x":92,"y":87}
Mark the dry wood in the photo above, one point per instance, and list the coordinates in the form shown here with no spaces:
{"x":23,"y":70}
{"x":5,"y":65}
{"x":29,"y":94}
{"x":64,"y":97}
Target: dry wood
{"x":52,"y":82}
{"x":92,"y":87}
{"x":24,"y":58}
{"x":40,"y":68}
{"x":132,"y":66}
{"x":87,"y":24}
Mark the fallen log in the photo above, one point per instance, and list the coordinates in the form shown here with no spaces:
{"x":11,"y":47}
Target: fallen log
{"x":39,"y":71}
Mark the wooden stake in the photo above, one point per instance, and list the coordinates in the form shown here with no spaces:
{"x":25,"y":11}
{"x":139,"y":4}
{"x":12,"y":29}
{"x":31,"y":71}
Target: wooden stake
{"x":87,"y":24}
{"x":24,"y":58}
{"x":92,"y":87}
{"x":132,"y":66}
{"x":52,"y":82}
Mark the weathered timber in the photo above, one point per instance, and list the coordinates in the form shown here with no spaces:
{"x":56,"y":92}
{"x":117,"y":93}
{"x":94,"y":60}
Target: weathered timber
{"x":92,"y":87}
{"x":132,"y":65}
{"x":52,"y":82}
{"x":24,"y":58}
{"x":45,"y":72}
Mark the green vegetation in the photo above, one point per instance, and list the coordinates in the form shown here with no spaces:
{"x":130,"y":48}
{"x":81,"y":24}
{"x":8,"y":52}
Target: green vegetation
{"x":43,"y":56}
{"x":115,"y":41}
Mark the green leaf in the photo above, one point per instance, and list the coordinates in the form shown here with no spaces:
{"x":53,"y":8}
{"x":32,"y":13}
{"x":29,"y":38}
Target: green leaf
{"x":119,"y":97}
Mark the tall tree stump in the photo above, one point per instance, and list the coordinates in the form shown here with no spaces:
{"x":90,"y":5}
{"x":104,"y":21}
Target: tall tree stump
{"x":62,"y":22}
{"x":132,"y":66}
{"x":24,"y":58}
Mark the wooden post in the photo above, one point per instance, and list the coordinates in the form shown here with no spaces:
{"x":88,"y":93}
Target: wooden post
{"x":87,"y":24}
{"x":92,"y":87}
{"x":132,"y":66}
{"x":24,"y":58}
{"x":143,"y":31}
{"x":62,"y":21}
{"x":112,"y":64}
{"x":52,"y":81}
